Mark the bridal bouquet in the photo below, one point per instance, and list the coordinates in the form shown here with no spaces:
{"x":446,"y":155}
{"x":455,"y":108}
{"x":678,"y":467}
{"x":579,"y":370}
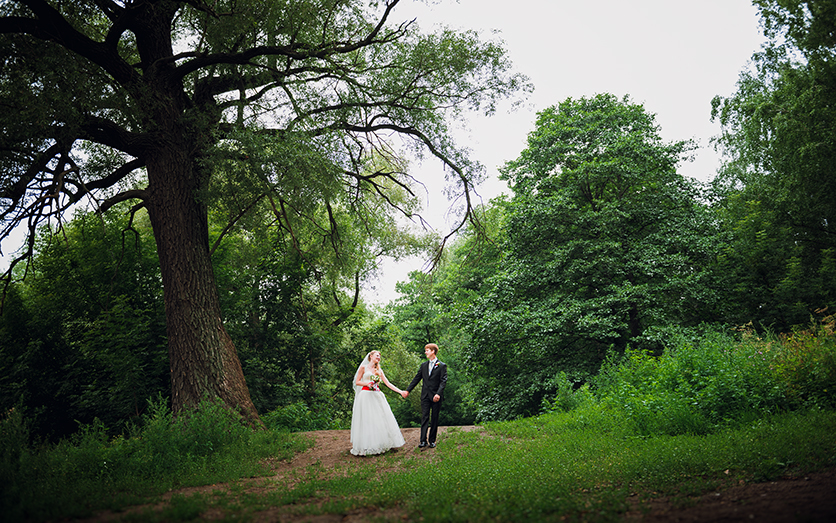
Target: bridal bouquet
{"x":375,"y":382}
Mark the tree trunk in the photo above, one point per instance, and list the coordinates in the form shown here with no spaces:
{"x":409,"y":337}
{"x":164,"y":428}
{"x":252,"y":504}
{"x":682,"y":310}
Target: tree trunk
{"x":634,"y":321}
{"x":203,"y":359}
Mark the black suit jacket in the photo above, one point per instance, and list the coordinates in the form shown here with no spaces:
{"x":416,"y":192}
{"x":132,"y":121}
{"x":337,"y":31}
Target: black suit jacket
{"x":432,"y":384}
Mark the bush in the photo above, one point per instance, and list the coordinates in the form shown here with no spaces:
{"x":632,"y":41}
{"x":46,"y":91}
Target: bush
{"x":14,"y":440}
{"x":702,"y":382}
{"x":568,"y":398}
{"x":298,"y":417}
{"x":806,"y":363}
{"x":694,"y":387}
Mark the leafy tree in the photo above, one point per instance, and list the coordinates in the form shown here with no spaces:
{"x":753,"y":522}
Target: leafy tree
{"x":606,"y":244}
{"x":289,"y":296}
{"x":142,"y":100}
{"x":777,"y":185}
{"x":432,"y":307}
{"x":84,"y":336}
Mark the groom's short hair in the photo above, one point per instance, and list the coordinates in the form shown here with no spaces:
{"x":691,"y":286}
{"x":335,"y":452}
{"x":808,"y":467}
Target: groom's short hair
{"x":432,"y":346}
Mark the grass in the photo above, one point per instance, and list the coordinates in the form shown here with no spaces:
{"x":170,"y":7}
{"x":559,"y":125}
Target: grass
{"x":551,"y":466}
{"x":577,"y":466}
{"x":710,"y":412}
{"x":92,"y":471}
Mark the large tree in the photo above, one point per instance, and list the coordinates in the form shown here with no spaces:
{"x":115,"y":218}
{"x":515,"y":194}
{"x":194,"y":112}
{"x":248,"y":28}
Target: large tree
{"x":140,"y":100}
{"x":778,"y":184}
{"x":606,"y":243}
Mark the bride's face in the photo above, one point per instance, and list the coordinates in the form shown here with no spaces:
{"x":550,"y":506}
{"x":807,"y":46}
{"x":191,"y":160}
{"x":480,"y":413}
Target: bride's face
{"x":374,"y":357}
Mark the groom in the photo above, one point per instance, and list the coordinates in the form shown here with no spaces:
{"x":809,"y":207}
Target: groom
{"x":434,"y":376}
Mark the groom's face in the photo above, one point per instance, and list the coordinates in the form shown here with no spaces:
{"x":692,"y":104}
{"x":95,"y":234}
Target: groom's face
{"x":429,"y":352}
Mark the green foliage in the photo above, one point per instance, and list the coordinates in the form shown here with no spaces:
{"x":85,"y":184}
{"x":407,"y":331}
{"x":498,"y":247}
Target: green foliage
{"x":580,"y":465}
{"x":14,"y":440}
{"x":603,"y":242}
{"x":777,"y":195}
{"x":299,"y":417}
{"x":273,"y":120}
{"x":84,"y":336}
{"x":805,"y":363}
{"x":91,"y":471}
{"x":713,"y":410}
{"x":567,"y":397}
{"x":431,"y":309}
{"x":701,"y":384}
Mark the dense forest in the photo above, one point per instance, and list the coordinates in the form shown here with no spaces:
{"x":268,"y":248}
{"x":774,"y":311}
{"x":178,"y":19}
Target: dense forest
{"x":599,"y":250}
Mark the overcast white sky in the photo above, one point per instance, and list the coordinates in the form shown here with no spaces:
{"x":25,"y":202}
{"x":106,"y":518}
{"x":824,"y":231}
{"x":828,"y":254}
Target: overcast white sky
{"x":673,"y":56}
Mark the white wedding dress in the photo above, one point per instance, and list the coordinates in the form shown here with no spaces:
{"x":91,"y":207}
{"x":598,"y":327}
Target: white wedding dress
{"x":374,"y":429}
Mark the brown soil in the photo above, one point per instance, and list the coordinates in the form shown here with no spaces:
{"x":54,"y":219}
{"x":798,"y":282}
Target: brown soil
{"x":807,"y":498}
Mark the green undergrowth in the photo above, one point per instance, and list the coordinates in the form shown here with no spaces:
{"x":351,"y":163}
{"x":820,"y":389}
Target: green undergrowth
{"x":711,"y":411}
{"x":93,"y":471}
{"x":578,"y":466}
{"x":581,"y":465}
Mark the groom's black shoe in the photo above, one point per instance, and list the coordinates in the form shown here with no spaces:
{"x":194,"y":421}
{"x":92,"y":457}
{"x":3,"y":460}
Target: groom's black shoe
{"x":422,"y":444}
{"x":432,"y":445}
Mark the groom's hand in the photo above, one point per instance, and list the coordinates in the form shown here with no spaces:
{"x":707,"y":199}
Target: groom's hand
{"x":436,"y":398}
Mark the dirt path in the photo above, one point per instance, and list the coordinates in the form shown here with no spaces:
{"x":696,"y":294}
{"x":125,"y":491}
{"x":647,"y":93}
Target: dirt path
{"x":810,"y":498}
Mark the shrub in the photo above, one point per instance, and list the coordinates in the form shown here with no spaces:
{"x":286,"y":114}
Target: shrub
{"x":695,"y":386}
{"x":806,"y":363}
{"x":14,"y":441}
{"x":298,"y":417}
{"x":567,"y":397}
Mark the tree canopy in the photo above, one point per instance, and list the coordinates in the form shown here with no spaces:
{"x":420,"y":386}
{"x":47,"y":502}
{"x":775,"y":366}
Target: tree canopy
{"x":777,"y":189}
{"x":235,"y":170}
{"x":297,"y":100}
{"x":605,"y":243}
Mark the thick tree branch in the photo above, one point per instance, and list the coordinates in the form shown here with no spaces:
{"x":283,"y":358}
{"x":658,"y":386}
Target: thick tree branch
{"x":121,"y":197}
{"x":50,"y":25}
{"x":109,"y":133}
{"x":116,"y":176}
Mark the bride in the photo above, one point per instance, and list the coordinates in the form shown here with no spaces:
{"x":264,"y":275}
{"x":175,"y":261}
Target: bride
{"x":374,"y":429}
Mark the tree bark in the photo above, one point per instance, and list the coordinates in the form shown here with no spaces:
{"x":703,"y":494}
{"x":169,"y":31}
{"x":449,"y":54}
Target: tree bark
{"x":203,"y":359}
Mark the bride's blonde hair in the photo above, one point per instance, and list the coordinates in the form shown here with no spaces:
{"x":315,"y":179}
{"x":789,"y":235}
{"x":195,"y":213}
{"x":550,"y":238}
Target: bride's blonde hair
{"x":375,"y":365}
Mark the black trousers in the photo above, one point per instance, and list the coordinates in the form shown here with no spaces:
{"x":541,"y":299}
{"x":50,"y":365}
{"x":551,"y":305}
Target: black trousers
{"x":429,"y":418}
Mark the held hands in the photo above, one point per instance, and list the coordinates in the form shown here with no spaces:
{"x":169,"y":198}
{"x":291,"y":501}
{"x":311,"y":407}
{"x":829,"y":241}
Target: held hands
{"x":404,"y":394}
{"x":436,"y":398}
